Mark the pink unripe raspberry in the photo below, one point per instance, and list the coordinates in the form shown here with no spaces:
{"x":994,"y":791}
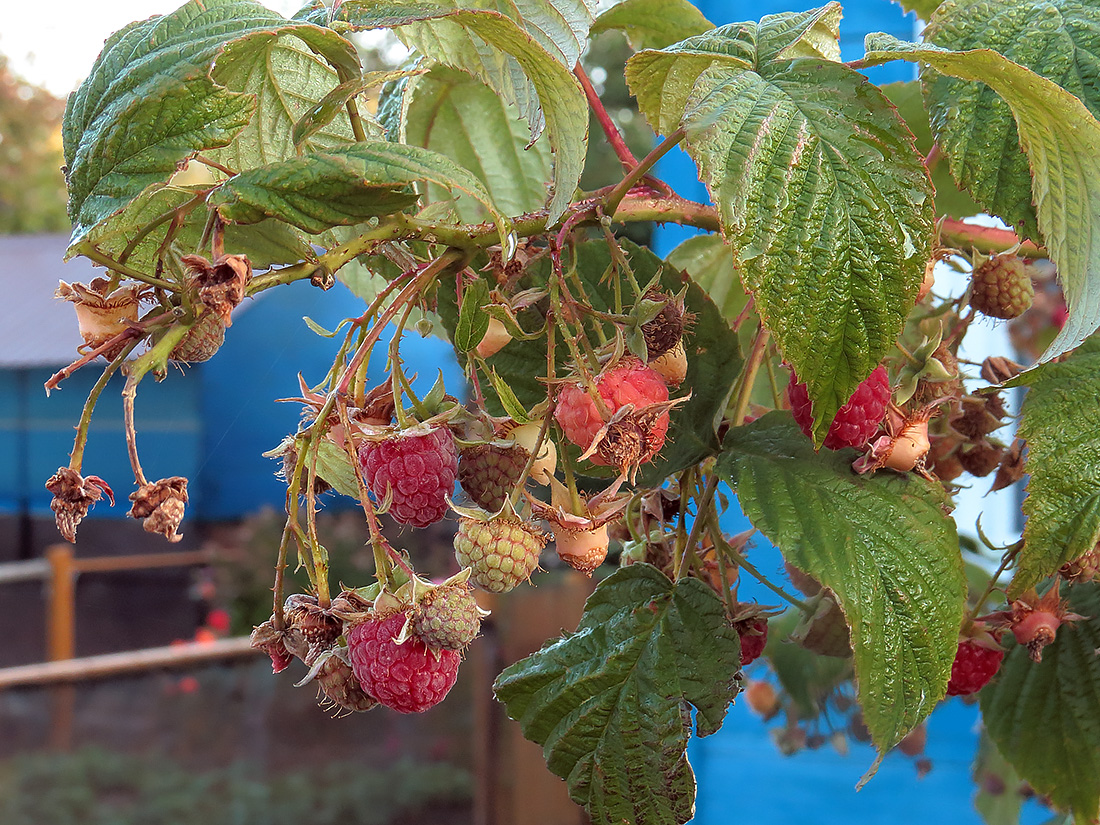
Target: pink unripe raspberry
{"x":628,"y":382}
{"x":407,"y":677}
{"x":420,"y":469}
{"x":857,"y":421}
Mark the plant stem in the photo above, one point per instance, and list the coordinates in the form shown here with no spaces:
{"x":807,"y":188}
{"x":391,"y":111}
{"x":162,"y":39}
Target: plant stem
{"x":610,"y":130}
{"x":76,"y":457}
{"x":702,"y":508}
{"x":427,"y":274}
{"x":748,"y":375}
{"x":277,"y":589}
{"x":720,"y":543}
{"x":1006,"y":560}
{"x":90,"y":252}
{"x":615,"y":197}
{"x":129,"y":392}
{"x":986,"y":239}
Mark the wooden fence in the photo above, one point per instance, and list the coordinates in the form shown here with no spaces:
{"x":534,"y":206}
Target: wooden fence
{"x":513,"y":785}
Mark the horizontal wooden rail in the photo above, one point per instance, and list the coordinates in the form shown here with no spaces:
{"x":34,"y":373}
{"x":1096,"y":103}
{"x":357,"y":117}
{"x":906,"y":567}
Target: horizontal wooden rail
{"x":40,"y":569}
{"x":129,"y":662}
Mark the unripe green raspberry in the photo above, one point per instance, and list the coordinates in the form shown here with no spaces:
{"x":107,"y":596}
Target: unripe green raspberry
{"x":1001,"y":287}
{"x":447,"y":617}
{"x":500,"y":552}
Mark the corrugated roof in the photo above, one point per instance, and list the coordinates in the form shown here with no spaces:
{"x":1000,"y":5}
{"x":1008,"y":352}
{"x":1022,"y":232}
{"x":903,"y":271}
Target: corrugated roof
{"x":36,"y":329}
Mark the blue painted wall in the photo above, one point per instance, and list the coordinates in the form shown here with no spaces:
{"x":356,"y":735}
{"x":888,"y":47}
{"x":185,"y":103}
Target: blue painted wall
{"x":36,"y":435}
{"x":264,"y":351}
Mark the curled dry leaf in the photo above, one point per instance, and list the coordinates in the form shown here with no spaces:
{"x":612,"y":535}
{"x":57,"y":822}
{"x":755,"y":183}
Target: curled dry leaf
{"x":73,"y":495}
{"x":161,"y":504}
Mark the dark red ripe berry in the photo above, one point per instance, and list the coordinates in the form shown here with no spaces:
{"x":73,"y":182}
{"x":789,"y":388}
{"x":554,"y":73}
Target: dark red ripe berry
{"x":407,"y":677}
{"x":857,"y":421}
{"x":973,"y":667}
{"x":754,"y":636}
{"x":421,"y":470}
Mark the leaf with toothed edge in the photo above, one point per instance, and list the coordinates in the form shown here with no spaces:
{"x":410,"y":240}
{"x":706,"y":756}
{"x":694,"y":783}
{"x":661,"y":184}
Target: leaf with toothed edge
{"x":523,"y":59}
{"x":608,"y":703}
{"x":1060,"y":136}
{"x":881,"y":543}
{"x":818,"y":186}
{"x":653,"y":24}
{"x":1045,"y":717}
{"x":1060,"y":420}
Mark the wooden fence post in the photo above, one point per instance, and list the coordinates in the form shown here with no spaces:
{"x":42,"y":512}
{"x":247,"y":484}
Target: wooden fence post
{"x":61,"y":640}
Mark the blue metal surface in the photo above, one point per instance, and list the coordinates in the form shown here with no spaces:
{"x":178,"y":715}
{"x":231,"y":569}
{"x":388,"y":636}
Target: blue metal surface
{"x":36,"y":435}
{"x":259,"y":362}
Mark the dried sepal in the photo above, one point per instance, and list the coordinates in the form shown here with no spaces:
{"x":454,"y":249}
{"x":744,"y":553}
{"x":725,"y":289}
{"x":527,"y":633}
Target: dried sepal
{"x":73,"y":495}
{"x":221,"y":284}
{"x":161,"y":504}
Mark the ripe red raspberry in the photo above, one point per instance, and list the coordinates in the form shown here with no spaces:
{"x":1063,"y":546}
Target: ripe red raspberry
{"x":856,"y":421}
{"x":447,"y":617}
{"x":634,"y":439}
{"x":500,"y":552}
{"x":1001,"y":287}
{"x":754,"y":636}
{"x":406,"y":677}
{"x":974,"y":665}
{"x":421,"y":470}
{"x":488,"y":473}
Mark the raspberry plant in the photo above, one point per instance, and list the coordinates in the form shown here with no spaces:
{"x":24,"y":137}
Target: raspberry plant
{"x":221,"y":151}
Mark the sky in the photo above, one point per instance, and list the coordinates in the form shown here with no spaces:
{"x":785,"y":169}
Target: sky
{"x":56,"y":49}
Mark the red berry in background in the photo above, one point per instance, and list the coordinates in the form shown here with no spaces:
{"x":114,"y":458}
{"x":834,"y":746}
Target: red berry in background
{"x":406,"y":677}
{"x":421,"y":469}
{"x":628,"y":382}
{"x":754,"y":636}
{"x":975,"y":664}
{"x":857,"y":421}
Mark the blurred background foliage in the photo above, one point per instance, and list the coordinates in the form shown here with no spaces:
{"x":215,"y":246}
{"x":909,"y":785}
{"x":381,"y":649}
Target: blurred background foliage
{"x":32,"y":186}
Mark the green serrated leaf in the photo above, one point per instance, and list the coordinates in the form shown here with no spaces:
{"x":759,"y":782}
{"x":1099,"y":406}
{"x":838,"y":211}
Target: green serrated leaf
{"x":343,"y":187}
{"x":882,"y":544}
{"x":923,"y":8}
{"x":473,"y":321}
{"x":820,"y":191}
{"x":334,"y":466}
{"x":322,"y":113}
{"x":151,"y":101}
{"x":1060,"y":136}
{"x":950,"y":199}
{"x":265,"y":243}
{"x":1058,"y":39}
{"x":287,"y":70}
{"x":664,"y":80}
{"x":116,"y":161}
{"x":653,"y":24}
{"x":1060,"y":420}
{"x":710,"y":262}
{"x":510,"y":55}
{"x":1045,"y":717}
{"x":464,"y":119}
{"x":607,"y":702}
